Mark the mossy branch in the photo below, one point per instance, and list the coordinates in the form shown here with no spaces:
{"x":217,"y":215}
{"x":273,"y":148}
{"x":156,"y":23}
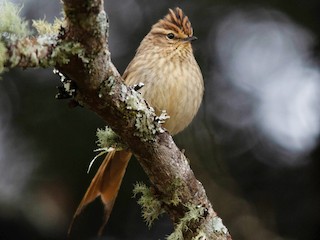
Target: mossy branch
{"x":80,"y":52}
{"x":18,"y":48}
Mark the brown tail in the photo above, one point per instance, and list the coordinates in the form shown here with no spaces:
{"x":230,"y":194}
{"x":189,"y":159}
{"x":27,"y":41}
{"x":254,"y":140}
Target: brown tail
{"x":106,"y":184}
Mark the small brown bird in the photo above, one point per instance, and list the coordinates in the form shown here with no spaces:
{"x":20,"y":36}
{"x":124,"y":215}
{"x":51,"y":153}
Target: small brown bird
{"x":172,"y":79}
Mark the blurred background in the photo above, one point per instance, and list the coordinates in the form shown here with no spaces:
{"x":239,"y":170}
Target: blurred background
{"x":254,"y":144}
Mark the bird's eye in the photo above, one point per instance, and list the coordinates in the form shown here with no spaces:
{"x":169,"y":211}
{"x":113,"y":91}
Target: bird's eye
{"x":170,"y":35}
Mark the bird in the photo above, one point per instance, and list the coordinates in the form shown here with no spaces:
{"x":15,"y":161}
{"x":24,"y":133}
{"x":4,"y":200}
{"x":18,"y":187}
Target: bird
{"x":164,"y":62}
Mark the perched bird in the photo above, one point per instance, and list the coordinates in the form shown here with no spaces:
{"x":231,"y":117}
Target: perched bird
{"x":172,"y":79}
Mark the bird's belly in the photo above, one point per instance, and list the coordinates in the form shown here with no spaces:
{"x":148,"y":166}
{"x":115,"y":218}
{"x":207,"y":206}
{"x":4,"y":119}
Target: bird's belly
{"x":179,"y":95}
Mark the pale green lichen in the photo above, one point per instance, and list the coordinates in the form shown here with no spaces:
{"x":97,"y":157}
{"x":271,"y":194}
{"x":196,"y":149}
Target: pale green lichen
{"x":108,"y":138}
{"x":107,"y":141}
{"x":102,"y":23}
{"x":108,"y":84}
{"x":144,"y":122}
{"x":151,"y":206}
{"x":12,"y":26}
{"x":145,"y":126}
{"x":174,"y":193}
{"x":193,"y":213}
{"x":45,"y":28}
{"x":3,"y":56}
{"x":10,"y":20}
{"x":134,"y":103}
{"x":62,"y":52}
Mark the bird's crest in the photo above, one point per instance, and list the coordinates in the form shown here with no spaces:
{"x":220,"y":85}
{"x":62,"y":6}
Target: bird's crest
{"x":177,"y":21}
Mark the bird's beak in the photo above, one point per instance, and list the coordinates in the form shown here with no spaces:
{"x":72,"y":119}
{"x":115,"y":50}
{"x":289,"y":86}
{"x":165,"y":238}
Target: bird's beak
{"x":190,"y":39}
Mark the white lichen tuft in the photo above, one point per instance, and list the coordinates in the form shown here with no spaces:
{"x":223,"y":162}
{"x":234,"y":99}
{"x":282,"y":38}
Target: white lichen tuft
{"x":134,"y":103}
{"x":107,"y":138}
{"x":162,"y":119}
{"x":107,"y":141}
{"x":45,"y":28}
{"x":151,"y":206}
{"x":10,"y":20}
{"x":12,"y":27}
{"x":218,"y":226}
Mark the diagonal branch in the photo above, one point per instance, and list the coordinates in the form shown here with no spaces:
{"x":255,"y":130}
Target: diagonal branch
{"x":84,"y":43}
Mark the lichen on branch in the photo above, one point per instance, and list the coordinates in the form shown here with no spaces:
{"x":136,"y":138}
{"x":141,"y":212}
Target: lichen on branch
{"x":80,"y":52}
{"x":150,"y":204}
{"x":12,"y":26}
{"x":193,"y":213}
{"x":45,"y":28}
{"x":18,"y":48}
{"x":11,"y":21}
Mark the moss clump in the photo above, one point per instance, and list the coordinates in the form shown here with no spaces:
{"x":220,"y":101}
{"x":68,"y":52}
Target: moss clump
{"x":151,"y":206}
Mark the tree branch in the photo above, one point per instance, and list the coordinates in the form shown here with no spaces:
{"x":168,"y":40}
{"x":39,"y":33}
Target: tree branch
{"x":29,"y":52}
{"x":83,"y":44}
